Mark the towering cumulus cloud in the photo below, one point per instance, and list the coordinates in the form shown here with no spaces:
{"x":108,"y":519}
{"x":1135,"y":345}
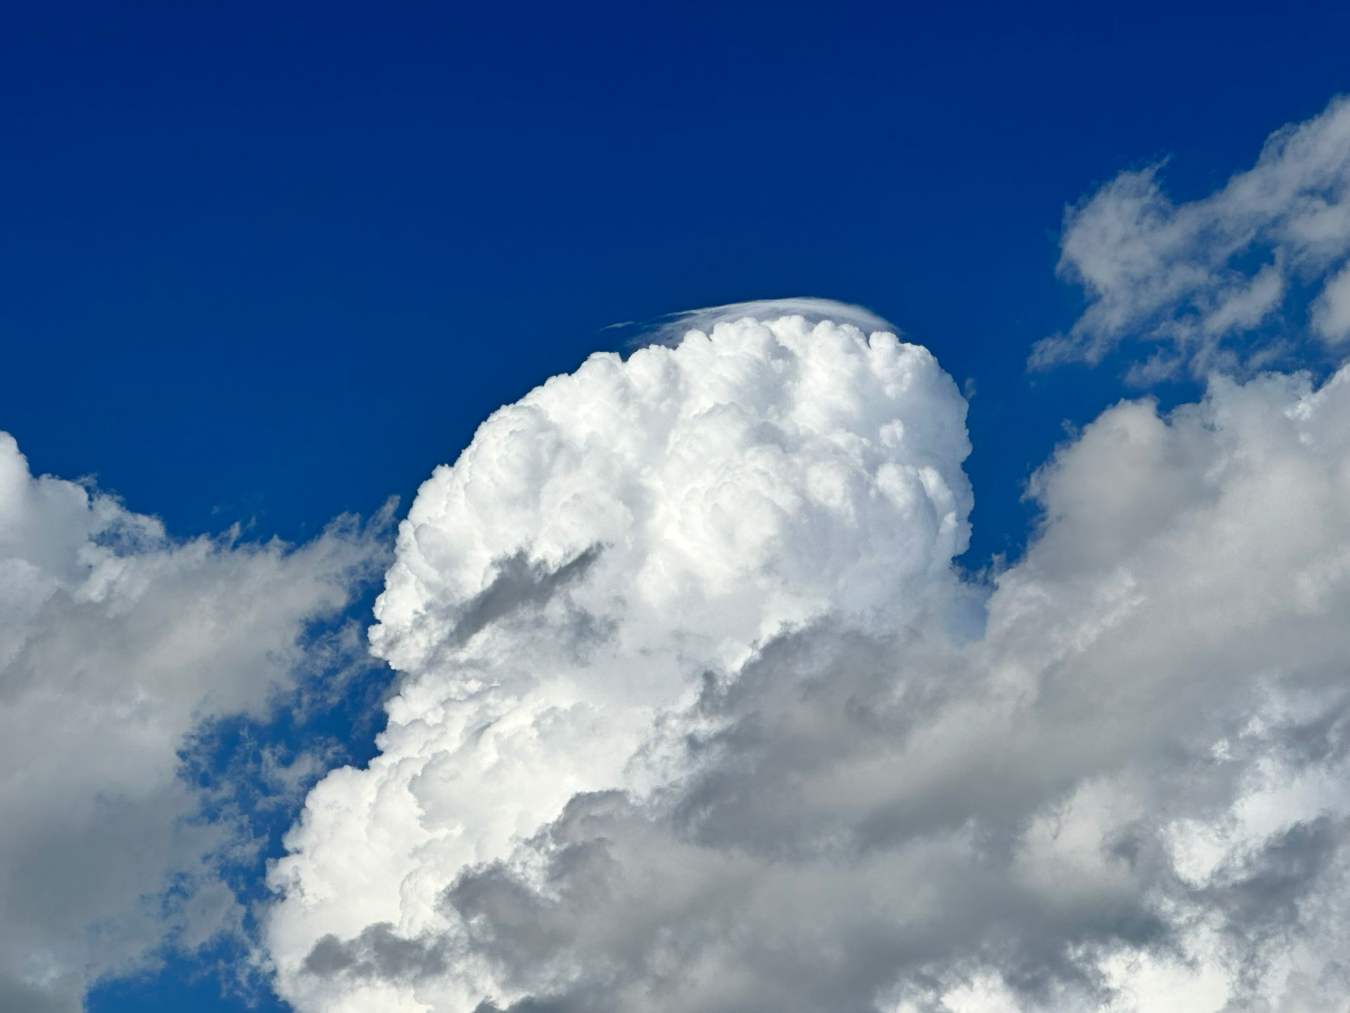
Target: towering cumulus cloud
{"x":608,"y":550}
{"x":116,"y":642}
{"x":697,"y":715}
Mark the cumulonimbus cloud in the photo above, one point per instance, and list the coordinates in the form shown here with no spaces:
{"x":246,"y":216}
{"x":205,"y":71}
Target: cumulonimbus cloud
{"x":116,"y":642}
{"x":697,"y":714}
{"x":1226,"y":282}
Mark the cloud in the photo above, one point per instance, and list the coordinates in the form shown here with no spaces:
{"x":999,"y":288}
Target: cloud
{"x":673,"y":328}
{"x":696,"y":713}
{"x":605,"y":549}
{"x":117,"y":641}
{"x":1217,"y":283}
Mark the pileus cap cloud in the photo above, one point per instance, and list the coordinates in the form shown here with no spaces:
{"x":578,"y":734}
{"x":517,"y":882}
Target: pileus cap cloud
{"x":116,"y":642}
{"x":603,"y":548}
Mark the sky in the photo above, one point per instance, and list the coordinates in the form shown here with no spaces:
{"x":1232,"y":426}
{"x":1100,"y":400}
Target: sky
{"x":782,"y":666}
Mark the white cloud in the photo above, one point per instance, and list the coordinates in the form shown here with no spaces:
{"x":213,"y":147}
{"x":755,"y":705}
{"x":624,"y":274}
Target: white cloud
{"x":696,"y":714}
{"x":1209,"y":281}
{"x":602,"y":547}
{"x":116,"y":642}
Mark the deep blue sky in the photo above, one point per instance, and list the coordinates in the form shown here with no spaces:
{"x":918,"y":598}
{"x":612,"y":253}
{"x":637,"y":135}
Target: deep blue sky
{"x":269,"y":267}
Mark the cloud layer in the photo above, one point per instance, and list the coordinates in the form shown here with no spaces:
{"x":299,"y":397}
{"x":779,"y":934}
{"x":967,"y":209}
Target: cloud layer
{"x":1227,"y":281}
{"x":696,"y":713}
{"x":116,"y":642}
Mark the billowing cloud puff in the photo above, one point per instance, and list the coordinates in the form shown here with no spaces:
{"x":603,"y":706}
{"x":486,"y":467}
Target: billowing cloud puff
{"x":696,"y":714}
{"x":116,"y":641}
{"x":1219,"y":282}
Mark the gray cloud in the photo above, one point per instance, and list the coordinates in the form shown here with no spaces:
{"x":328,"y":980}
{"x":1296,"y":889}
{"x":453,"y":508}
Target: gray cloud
{"x":118,"y":643}
{"x":377,"y":953}
{"x":520,"y":585}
